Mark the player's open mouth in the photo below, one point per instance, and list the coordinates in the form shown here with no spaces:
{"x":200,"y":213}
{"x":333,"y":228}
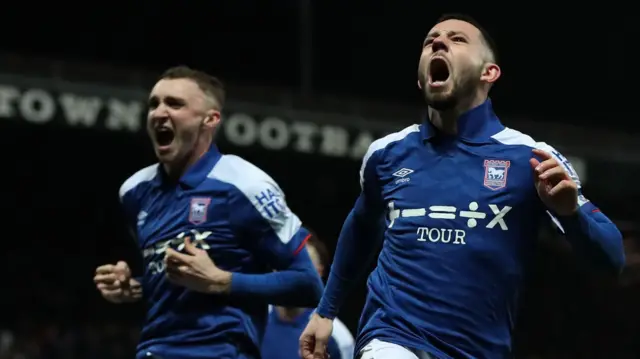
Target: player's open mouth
{"x":164,"y":136}
{"x":438,"y":72}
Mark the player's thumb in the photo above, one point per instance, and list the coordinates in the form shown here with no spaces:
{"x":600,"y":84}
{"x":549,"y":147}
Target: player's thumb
{"x":122,"y":271}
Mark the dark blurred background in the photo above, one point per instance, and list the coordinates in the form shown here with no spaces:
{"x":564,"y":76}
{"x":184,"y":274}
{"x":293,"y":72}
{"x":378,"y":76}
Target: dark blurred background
{"x":311,"y":84}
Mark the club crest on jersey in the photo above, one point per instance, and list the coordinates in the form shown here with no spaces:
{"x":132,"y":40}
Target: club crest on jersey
{"x":198,"y":210}
{"x":495,"y":174}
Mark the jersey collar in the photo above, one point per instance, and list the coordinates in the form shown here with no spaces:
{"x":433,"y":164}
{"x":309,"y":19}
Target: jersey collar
{"x":196,"y":173}
{"x":476,"y":125}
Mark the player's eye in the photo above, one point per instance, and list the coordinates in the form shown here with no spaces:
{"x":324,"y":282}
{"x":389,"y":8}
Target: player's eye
{"x":428,"y":42}
{"x":458,"y":39}
{"x":153,"y":103}
{"x":174,"y":103}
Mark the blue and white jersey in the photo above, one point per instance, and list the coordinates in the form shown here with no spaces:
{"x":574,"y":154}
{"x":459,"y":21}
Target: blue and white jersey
{"x":281,"y":338}
{"x":461,"y":222}
{"x":237,"y":213}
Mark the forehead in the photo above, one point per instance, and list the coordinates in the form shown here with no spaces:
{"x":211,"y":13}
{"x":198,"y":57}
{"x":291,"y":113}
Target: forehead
{"x":454,"y":25}
{"x":183,"y":88}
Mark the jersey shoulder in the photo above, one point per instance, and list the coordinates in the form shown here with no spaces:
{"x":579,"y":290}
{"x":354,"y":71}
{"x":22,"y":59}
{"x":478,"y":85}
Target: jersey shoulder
{"x":512,"y":137}
{"x":393,"y":139}
{"x":241,"y":174}
{"x":142,"y":176}
{"x":380,"y":148}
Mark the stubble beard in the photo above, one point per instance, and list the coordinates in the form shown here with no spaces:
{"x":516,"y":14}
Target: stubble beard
{"x":463,"y":89}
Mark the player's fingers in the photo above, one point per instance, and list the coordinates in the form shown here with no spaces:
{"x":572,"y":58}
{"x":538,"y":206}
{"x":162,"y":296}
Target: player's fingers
{"x":306,"y":346}
{"x":136,"y":291}
{"x":189,"y":247}
{"x":542,"y":154}
{"x":109,"y":287}
{"x":105,"y":269}
{"x":134,"y":284}
{"x":172,"y":272}
{"x":105,"y":278}
{"x":122,"y":270}
{"x":320,"y":349}
{"x":563,"y":185}
{"x":534,"y":163}
{"x":171,"y":255}
{"x":554,"y":175}
{"x":546,"y":165}
{"x":111,"y":293}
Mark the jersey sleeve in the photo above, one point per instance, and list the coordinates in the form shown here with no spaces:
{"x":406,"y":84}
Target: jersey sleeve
{"x":129,"y":205}
{"x":261,"y":214}
{"x":129,"y":194}
{"x":583,"y":202}
{"x":354,"y":250}
{"x":592,"y":235}
{"x":369,"y":180}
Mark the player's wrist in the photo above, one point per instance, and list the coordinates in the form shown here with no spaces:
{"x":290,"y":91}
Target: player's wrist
{"x":220,"y":282}
{"x":323,"y":315}
{"x":568,"y":213}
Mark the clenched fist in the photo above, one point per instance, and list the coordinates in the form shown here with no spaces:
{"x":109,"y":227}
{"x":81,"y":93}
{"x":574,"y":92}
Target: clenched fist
{"x":315,"y":337}
{"x":115,"y":283}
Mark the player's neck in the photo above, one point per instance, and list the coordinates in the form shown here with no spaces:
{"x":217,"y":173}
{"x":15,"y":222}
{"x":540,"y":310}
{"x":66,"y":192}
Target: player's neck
{"x":289,"y":314}
{"x":176,"y":169}
{"x":447,"y":121}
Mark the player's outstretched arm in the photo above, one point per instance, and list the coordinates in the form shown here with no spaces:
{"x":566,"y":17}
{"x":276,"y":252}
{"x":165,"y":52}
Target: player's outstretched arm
{"x":356,"y":247}
{"x":261,"y":217}
{"x":592,"y":235}
{"x":296,"y":283}
{"x":357,"y":244}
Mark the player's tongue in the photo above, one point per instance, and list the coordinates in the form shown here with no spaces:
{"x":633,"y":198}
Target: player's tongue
{"x":438,"y":72}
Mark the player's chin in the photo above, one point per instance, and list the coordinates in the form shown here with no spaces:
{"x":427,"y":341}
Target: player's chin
{"x":440,"y":94}
{"x":165,"y":153}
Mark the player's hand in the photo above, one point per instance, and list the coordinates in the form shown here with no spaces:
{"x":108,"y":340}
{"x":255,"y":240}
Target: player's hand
{"x":315,"y":337}
{"x":556,"y":189}
{"x":195,"y":270}
{"x":115,"y":283}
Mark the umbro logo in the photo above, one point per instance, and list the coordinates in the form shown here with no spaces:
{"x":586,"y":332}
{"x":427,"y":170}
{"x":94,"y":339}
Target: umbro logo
{"x":403,"y":172}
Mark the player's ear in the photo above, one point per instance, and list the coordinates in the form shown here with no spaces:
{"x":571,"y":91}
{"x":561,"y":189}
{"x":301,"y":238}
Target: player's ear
{"x":490,"y":73}
{"x":211,"y":119}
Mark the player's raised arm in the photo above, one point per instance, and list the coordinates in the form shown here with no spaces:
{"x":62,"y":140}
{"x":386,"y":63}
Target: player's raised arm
{"x":592,"y":235}
{"x":357,"y":242}
{"x":275,"y":234}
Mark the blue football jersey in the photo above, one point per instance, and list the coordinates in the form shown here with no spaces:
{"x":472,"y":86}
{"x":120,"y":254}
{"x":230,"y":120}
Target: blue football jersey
{"x":461,"y":222}
{"x":281,"y":338}
{"x":237,"y":213}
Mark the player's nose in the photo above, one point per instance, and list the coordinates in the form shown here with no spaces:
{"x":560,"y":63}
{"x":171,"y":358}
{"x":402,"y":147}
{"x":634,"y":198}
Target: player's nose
{"x":158,"y":117}
{"x":439,"y":44}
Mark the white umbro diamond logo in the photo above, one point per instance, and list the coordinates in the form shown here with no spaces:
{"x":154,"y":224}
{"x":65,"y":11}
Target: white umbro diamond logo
{"x":402,"y":172}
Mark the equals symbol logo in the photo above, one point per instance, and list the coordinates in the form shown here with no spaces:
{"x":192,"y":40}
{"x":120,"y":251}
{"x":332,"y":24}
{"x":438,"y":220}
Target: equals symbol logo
{"x":401,"y":174}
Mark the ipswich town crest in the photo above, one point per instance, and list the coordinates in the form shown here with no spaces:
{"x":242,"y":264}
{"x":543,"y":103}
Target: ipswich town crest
{"x":198,"y":210}
{"x":495,"y":174}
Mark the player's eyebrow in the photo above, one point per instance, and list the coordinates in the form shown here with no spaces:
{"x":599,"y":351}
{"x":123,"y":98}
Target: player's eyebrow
{"x":450,"y":33}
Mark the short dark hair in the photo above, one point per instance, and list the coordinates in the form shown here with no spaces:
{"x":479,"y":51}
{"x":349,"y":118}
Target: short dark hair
{"x":210,"y":85}
{"x":488,"y":40}
{"x":319,"y":246}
